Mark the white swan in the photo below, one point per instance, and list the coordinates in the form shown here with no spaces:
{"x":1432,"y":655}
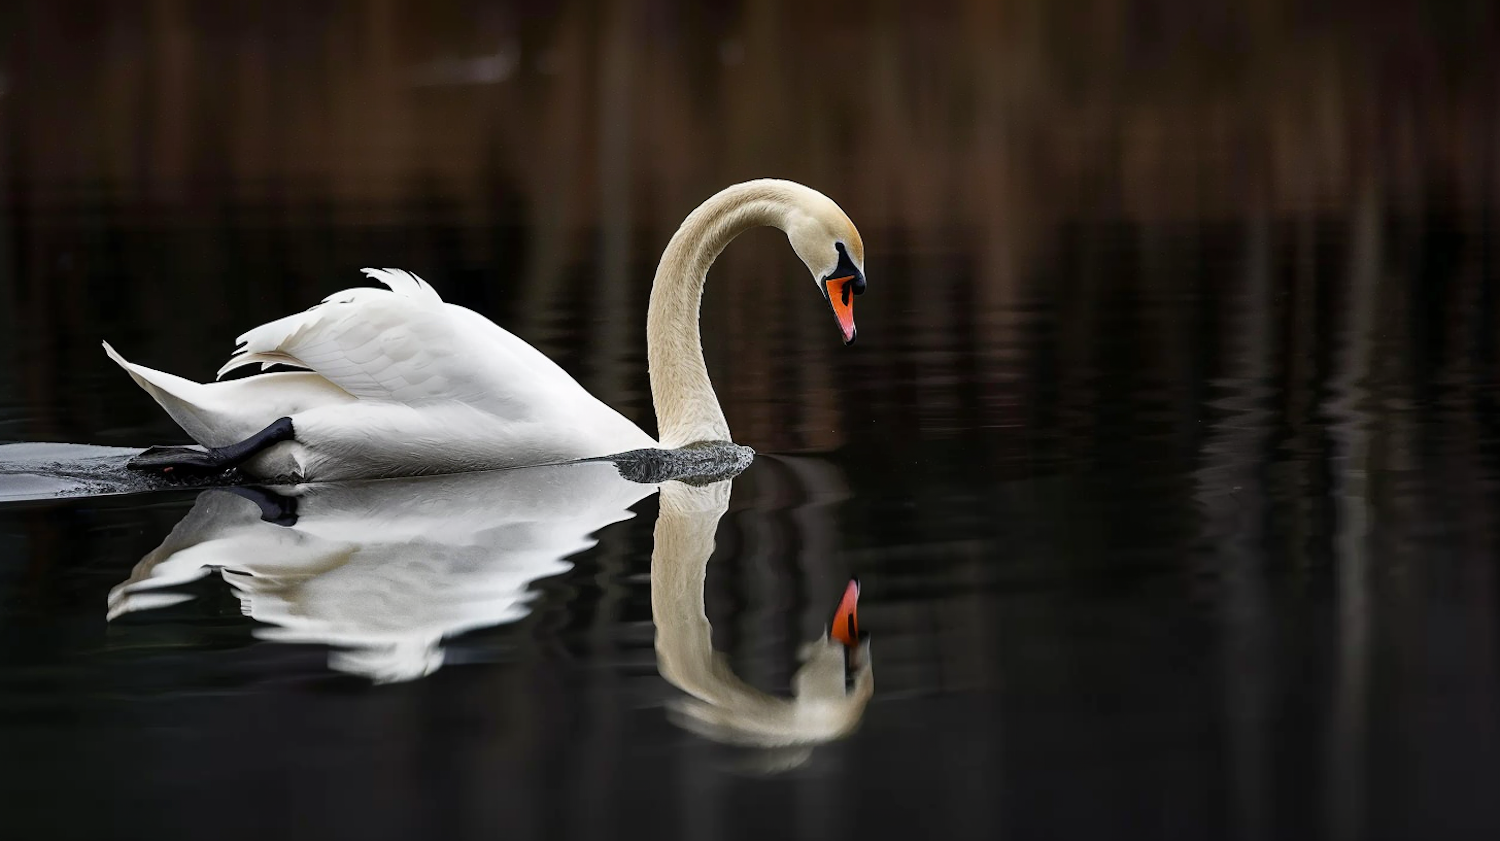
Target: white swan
{"x":396,"y":382}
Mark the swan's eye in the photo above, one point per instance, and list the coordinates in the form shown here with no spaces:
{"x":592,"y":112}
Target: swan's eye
{"x":846,"y":268}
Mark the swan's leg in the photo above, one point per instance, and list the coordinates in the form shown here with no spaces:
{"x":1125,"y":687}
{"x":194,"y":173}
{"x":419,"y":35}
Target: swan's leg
{"x":274,"y":508}
{"x":186,"y":461}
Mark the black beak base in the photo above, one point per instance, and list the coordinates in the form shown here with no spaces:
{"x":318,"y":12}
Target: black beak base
{"x":838,"y":286}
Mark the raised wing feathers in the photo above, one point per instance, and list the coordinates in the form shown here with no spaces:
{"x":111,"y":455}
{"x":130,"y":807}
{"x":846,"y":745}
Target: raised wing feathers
{"x":401,"y":282}
{"x":403,"y":344}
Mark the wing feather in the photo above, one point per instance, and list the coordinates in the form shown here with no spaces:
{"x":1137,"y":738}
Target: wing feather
{"x":403,"y":344}
{"x":266,"y":360}
{"x":405,"y":283}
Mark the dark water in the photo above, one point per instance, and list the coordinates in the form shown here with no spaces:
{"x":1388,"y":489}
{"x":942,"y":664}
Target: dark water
{"x":1168,"y":458}
{"x":1227,"y":571}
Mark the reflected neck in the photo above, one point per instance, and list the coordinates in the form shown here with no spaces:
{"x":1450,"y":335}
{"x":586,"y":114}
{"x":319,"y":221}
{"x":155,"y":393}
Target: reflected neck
{"x":684,"y":542}
{"x":732,"y":710}
{"x":687,"y":410}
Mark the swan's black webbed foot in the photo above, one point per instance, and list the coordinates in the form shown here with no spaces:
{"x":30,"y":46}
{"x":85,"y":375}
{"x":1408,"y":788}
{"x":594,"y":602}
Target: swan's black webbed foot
{"x":274,"y":508}
{"x":178,"y":461}
{"x":189,"y":461}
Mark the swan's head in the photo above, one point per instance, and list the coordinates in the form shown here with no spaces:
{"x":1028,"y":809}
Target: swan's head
{"x":830,"y":691}
{"x":829,"y":245}
{"x":835,"y":671}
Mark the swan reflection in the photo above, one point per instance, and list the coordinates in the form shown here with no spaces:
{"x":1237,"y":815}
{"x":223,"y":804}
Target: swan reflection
{"x":385,"y":571}
{"x":829,"y":690}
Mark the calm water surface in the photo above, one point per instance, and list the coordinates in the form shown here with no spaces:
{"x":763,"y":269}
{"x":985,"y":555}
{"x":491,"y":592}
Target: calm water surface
{"x":1167,"y":457}
{"x":1194,"y":537}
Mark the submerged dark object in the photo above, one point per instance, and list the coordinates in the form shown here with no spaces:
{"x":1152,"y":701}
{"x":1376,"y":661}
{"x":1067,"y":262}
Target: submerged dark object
{"x":702,"y":463}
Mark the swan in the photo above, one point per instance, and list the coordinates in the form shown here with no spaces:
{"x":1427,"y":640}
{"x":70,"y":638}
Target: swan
{"x":395,"y":382}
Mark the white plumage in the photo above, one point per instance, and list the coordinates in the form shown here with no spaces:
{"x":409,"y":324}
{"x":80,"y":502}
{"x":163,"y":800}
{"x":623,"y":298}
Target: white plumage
{"x":395,"y":382}
{"x":386,"y":571}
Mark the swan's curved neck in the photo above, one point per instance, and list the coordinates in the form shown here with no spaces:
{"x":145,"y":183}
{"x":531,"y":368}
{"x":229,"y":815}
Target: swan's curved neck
{"x":687,"y":410}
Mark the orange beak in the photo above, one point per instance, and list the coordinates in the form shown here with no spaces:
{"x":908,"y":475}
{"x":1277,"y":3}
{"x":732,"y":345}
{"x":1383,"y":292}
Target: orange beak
{"x":846,"y":619}
{"x":841,"y":296}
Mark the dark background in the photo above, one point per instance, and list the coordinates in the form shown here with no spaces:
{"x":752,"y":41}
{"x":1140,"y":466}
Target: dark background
{"x":1167,"y":454}
{"x":175,"y":172}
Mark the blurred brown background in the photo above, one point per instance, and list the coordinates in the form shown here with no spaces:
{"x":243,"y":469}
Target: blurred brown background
{"x":174,"y":171}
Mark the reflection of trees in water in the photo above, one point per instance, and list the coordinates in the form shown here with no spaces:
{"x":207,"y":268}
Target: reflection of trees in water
{"x":179,"y":174}
{"x":919,"y":113}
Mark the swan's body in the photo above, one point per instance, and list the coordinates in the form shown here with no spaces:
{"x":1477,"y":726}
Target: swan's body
{"x":400,"y":383}
{"x":397,"y":382}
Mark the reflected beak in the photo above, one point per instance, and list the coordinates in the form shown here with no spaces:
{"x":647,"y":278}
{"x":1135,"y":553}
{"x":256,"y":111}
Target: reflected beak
{"x":845,"y":627}
{"x":841,"y":293}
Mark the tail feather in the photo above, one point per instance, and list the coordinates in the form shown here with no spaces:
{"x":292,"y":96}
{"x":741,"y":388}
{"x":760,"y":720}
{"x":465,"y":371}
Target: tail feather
{"x":221,"y":413}
{"x":183,"y":399}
